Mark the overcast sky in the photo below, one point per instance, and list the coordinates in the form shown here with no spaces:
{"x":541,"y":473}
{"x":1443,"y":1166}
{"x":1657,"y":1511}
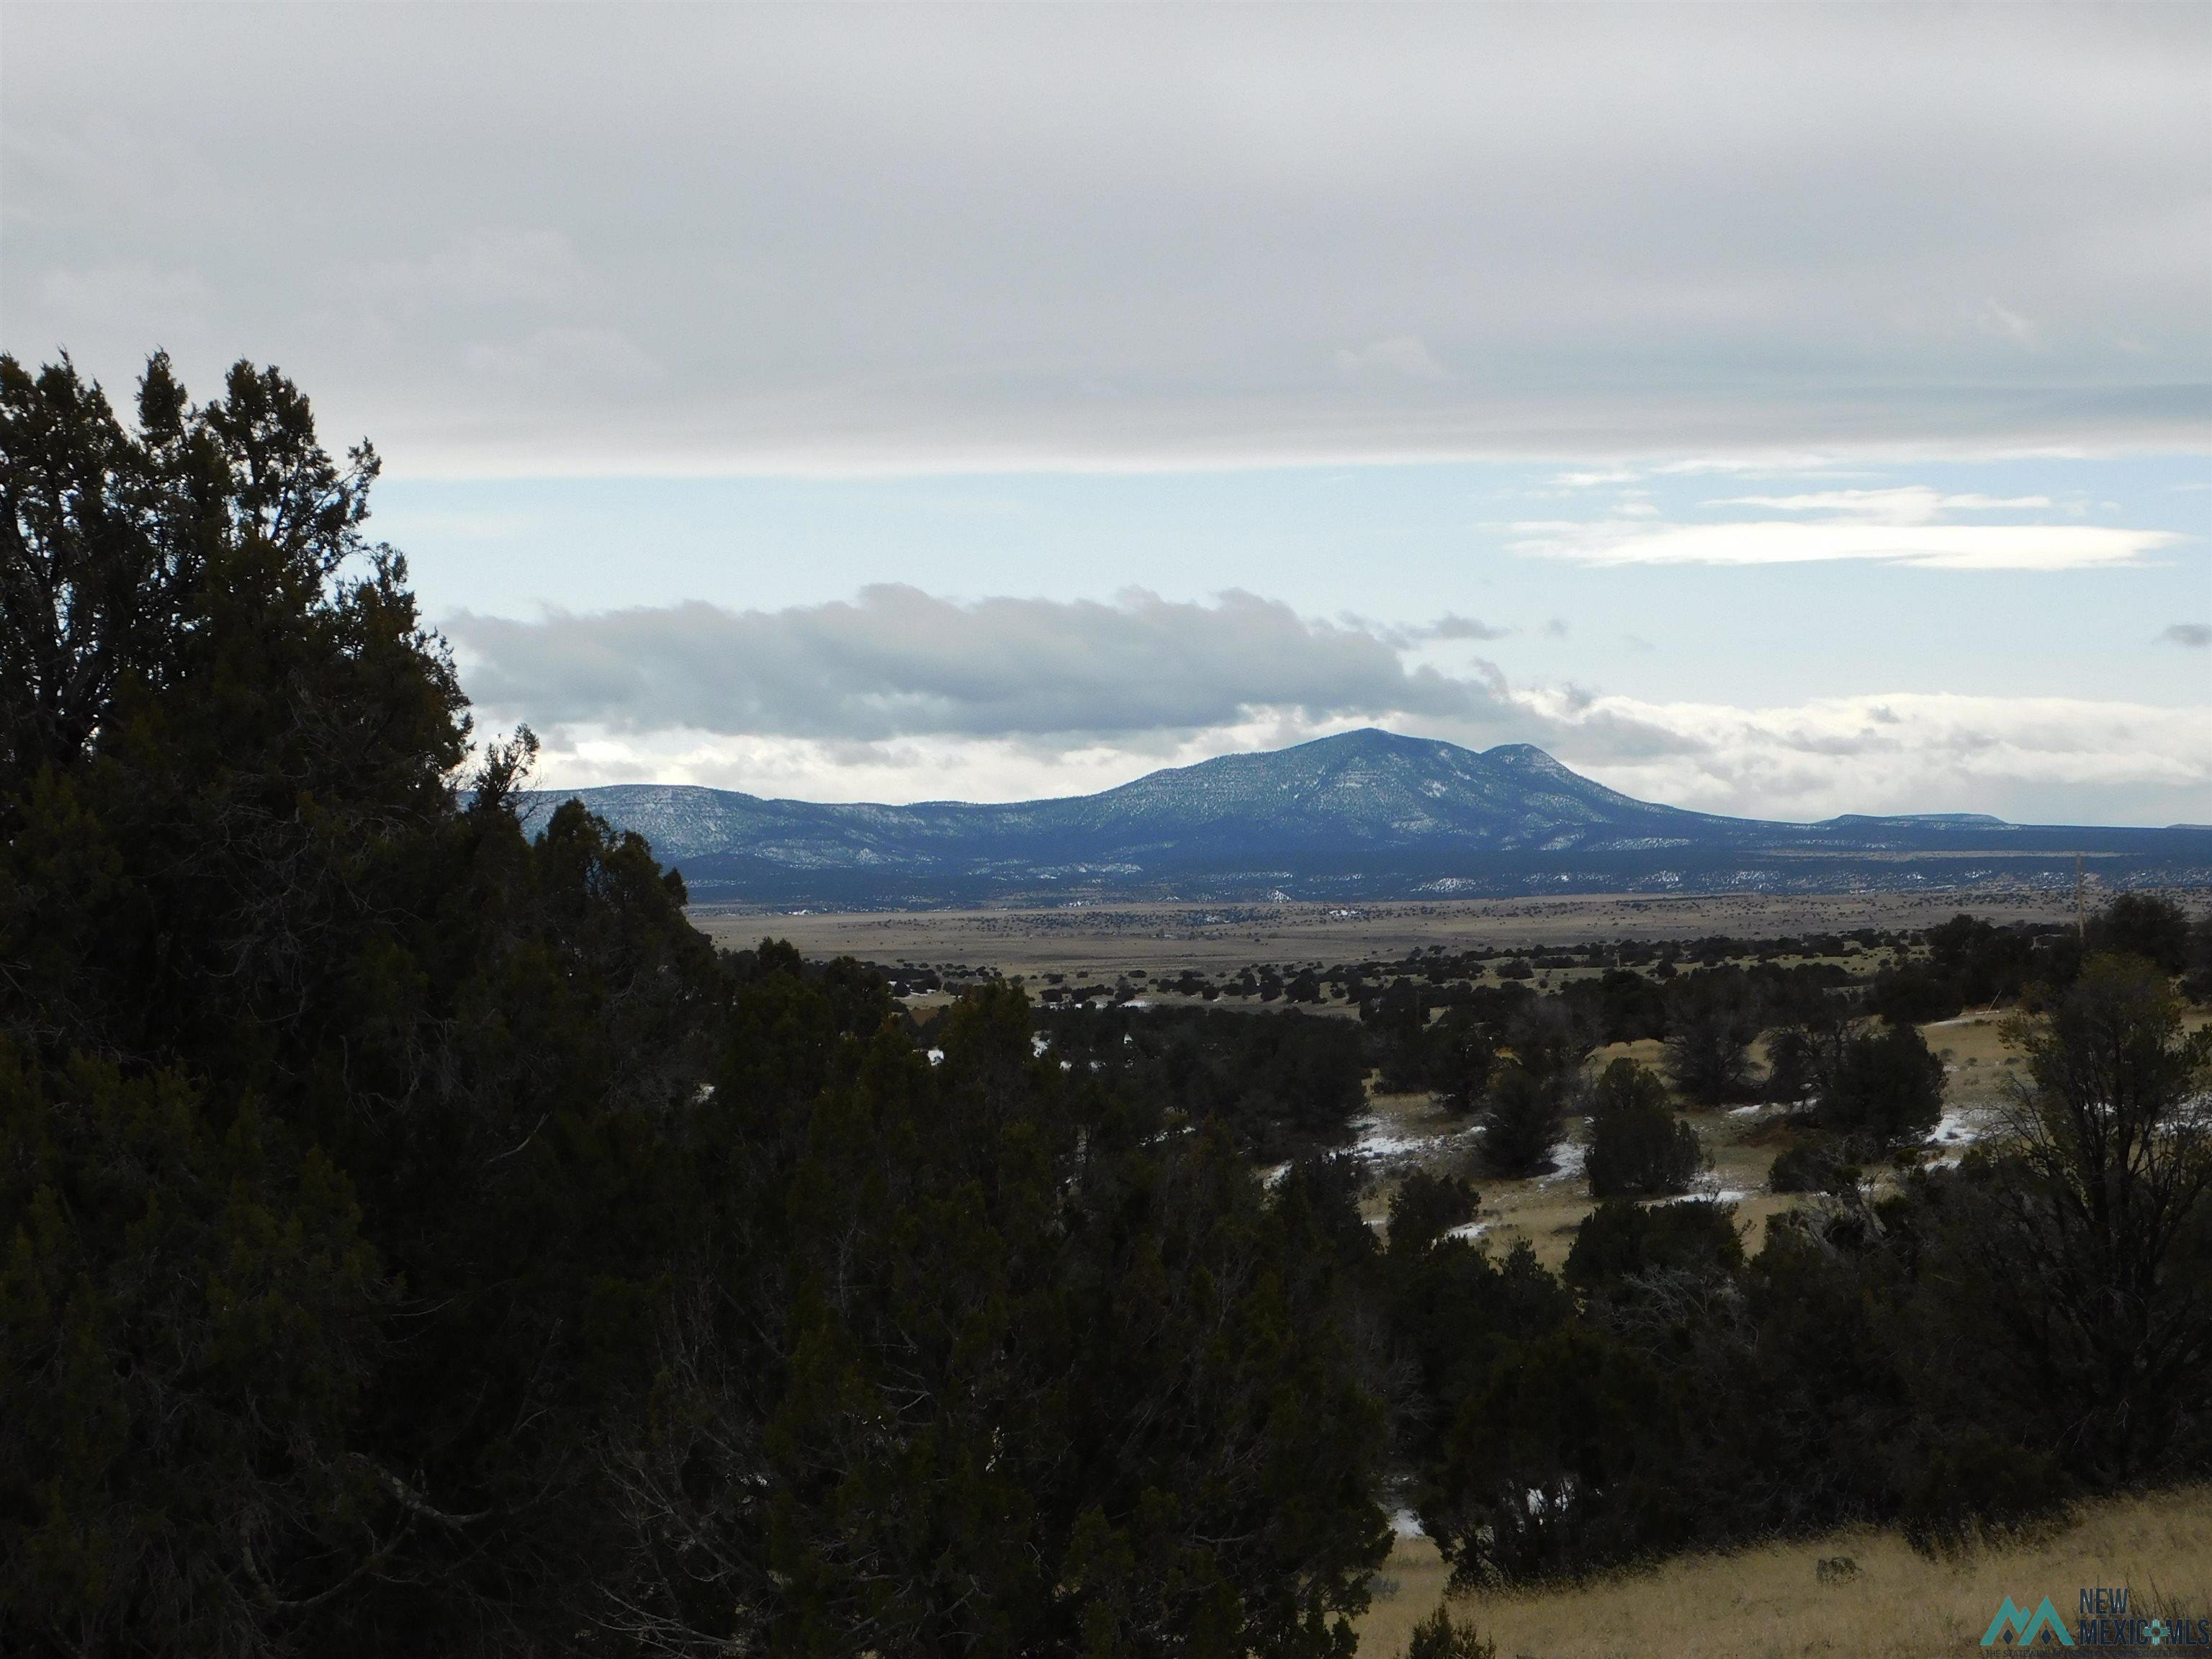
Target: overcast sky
{"x":1781,"y":409}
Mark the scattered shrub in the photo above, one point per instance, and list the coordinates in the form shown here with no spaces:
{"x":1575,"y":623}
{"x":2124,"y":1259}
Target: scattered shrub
{"x":1437,"y":1637}
{"x":1887,"y":1086}
{"x":1621,"y":1240}
{"x":1818,"y":1164}
{"x":1639,"y":1146}
{"x":1427,"y":1206}
{"x":2146,"y":925}
{"x":1528,"y":1112}
{"x":1914,"y":993}
{"x":1711,"y":1019}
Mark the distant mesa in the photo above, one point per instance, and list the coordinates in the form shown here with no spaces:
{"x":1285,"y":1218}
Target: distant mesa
{"x":1983,"y":818}
{"x":1368,"y":815}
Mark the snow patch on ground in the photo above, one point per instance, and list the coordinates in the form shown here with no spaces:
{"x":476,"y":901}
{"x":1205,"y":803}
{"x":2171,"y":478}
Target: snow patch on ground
{"x":1467,"y":1230}
{"x":1959,"y":1128}
{"x":1406,"y":1524}
{"x":1707,"y":1191}
{"x":1379,"y":1142}
{"x":1567,"y":1160}
{"x":1955,"y":1131}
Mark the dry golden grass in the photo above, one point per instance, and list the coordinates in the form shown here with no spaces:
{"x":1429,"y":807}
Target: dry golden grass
{"x":1113,"y":937}
{"x":1769,"y":1603}
{"x":1979,"y":1064}
{"x":1546,"y":1211}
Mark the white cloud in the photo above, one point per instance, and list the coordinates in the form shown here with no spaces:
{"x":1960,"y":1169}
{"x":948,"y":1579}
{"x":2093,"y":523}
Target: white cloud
{"x":1910,"y":504}
{"x":893,"y":769}
{"x":1762,"y":462}
{"x":1940,"y":547}
{"x":1904,"y":752}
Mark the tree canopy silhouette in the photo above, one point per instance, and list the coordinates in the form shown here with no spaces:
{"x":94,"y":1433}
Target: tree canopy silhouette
{"x":417,"y":1239}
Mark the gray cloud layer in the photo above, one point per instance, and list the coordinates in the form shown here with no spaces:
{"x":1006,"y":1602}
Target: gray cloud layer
{"x":931,"y":699}
{"x":687,"y":238}
{"x":898,"y":662}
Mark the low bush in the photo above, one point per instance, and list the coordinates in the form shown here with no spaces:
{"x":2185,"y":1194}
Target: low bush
{"x":1437,"y":1637}
{"x":1621,"y":1240}
{"x":1819,"y":1163}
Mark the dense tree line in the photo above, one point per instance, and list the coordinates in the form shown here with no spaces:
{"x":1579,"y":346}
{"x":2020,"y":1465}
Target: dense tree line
{"x":417,"y":1238}
{"x":1279,"y":1085}
{"x":1971,"y":1350}
{"x":1971,"y":964}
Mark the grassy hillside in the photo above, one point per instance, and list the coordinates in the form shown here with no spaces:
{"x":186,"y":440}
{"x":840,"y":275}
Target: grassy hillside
{"x":1770,"y":1603}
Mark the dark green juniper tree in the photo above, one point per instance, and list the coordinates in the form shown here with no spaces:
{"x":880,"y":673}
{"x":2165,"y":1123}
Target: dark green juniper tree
{"x":1711,"y":1019}
{"x":1531,"y":1094}
{"x":414,"y":1238}
{"x":2078,"y":1252}
{"x":1884,"y":1091}
{"x":1638,"y":1147}
{"x":1526,"y":1114}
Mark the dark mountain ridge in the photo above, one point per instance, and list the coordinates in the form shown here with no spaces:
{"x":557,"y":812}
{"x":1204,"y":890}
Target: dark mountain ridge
{"x":1364,"y":814}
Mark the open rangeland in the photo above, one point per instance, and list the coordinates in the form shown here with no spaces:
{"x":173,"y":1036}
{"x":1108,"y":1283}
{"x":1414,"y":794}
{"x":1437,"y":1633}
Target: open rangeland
{"x":1774,"y":1601}
{"x":1405,"y":1132}
{"x":1105,"y":940}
